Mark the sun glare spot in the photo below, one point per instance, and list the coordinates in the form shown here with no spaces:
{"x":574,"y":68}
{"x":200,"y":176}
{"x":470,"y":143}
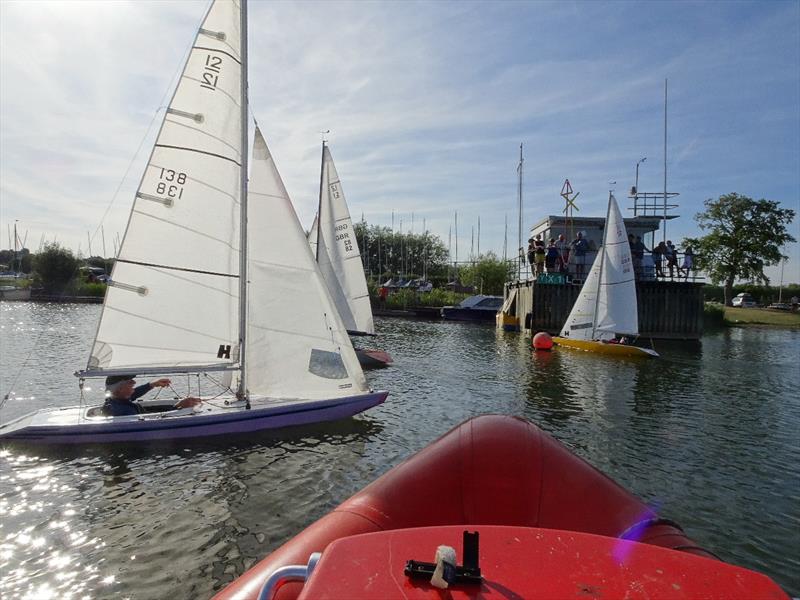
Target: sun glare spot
{"x":58,"y":561}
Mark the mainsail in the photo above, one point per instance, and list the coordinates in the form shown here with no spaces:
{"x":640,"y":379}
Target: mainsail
{"x":338,"y":254}
{"x":182,"y":238}
{"x":295,"y":339}
{"x":606,"y":304}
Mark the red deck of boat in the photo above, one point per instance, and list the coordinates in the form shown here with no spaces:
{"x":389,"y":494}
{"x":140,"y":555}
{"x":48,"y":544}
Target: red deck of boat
{"x":522,"y":563}
{"x":491,"y":470}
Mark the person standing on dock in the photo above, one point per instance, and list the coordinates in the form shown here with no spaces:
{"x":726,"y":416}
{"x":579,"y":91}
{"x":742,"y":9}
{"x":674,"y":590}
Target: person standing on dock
{"x":563,"y":251}
{"x":637,"y":253}
{"x":552,"y":257}
{"x":540,"y":252}
{"x":579,"y":247}
{"x":672,"y":259}
{"x":658,"y":254}
{"x":688,"y":262}
{"x":531,"y":254}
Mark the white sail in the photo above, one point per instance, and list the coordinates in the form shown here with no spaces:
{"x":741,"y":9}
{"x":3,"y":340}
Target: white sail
{"x":606,"y":304}
{"x":182,"y":238}
{"x":295,"y":338}
{"x":616,"y":303}
{"x":581,"y":319}
{"x":338,"y":255}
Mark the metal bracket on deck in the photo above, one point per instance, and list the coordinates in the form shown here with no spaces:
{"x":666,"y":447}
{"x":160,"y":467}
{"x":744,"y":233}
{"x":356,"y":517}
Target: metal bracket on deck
{"x":469,"y":572}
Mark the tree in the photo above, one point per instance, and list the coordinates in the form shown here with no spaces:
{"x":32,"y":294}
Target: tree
{"x":55,"y":267}
{"x":745,"y":235}
{"x":488,"y":274}
{"x":386,"y":253}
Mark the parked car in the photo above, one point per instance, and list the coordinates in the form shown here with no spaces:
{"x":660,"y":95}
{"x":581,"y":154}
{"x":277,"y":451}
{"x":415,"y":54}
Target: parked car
{"x":744,"y":300}
{"x":780,"y":306}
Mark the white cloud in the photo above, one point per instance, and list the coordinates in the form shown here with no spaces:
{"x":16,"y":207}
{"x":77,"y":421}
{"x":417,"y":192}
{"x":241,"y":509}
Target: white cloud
{"x":426,"y":102}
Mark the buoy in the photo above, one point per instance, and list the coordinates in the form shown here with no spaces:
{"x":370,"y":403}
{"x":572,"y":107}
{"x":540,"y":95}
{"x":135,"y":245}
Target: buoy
{"x":542,"y":341}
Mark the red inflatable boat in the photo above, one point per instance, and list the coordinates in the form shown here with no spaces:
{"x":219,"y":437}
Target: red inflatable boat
{"x":527,"y":518}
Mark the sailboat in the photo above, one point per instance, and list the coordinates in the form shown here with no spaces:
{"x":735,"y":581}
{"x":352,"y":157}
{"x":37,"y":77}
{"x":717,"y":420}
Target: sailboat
{"x":214,"y":276}
{"x":333,"y":241}
{"x":606,"y":306}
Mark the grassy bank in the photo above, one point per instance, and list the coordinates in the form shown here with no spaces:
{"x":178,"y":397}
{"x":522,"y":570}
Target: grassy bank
{"x":761,"y":316}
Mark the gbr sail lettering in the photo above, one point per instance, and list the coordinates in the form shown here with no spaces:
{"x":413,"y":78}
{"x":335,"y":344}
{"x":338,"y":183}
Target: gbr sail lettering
{"x":343,"y":236}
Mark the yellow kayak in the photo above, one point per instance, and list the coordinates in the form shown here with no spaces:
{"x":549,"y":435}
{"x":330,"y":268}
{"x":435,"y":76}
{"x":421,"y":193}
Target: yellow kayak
{"x":605,"y":348}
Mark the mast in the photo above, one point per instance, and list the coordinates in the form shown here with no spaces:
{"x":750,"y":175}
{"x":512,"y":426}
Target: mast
{"x":505,"y":241}
{"x":241,"y":393}
{"x":664,"y":238}
{"x":520,"y":249}
{"x":16,"y":255}
{"x":319,"y":205}
{"x":600,"y":275}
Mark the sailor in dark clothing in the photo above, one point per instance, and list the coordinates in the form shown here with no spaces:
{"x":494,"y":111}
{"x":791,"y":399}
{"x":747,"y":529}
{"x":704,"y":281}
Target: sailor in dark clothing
{"x":123,"y":392}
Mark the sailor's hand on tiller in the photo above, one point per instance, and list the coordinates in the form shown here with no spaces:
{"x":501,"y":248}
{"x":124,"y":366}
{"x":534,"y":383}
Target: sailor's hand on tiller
{"x":188,"y":402}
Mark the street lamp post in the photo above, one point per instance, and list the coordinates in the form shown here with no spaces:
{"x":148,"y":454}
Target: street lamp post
{"x":636,"y":187}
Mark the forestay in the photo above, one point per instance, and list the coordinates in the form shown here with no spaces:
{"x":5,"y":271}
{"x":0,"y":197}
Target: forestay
{"x":173,"y":302}
{"x":606,"y":304}
{"x":338,"y":254}
{"x":295,"y":339}
{"x":313,"y":235}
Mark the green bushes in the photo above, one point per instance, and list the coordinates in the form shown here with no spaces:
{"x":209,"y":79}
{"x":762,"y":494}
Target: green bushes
{"x":713,"y":315}
{"x":405,"y":298}
{"x":96,"y":290}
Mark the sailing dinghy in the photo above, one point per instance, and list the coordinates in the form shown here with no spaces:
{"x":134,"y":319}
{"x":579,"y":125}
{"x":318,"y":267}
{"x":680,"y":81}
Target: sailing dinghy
{"x":333,"y":240}
{"x":208,"y":283}
{"x":606,"y":306}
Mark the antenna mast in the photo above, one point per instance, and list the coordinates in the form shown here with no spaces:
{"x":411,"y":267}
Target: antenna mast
{"x":520,"y":248}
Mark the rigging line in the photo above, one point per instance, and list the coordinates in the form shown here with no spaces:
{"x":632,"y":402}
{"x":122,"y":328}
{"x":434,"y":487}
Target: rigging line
{"x":225,"y":388}
{"x":21,"y":368}
{"x":161,"y":105}
{"x":168,"y":268}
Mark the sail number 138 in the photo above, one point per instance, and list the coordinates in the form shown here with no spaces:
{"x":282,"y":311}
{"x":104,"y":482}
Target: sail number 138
{"x":171,"y":184}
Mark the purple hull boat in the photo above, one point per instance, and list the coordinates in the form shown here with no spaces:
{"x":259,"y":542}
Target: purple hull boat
{"x":220,"y":416}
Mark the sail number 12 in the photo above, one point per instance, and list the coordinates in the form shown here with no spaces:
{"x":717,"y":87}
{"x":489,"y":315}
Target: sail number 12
{"x":211,"y":71}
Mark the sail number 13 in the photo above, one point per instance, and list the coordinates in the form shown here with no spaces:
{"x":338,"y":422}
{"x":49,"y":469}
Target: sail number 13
{"x":171,"y":183}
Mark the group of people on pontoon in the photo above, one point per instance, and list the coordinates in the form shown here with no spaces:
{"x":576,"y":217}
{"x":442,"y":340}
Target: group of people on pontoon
{"x":559,"y":256}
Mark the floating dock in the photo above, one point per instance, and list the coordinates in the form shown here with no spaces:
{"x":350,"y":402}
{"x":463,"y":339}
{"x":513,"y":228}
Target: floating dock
{"x":667,"y":309}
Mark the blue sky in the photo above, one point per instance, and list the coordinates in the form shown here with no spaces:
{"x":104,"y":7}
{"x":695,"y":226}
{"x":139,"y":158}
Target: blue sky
{"x":427,"y":103}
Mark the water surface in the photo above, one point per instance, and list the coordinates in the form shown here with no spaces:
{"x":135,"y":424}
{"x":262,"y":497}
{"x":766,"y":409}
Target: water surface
{"x":707,"y":435}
